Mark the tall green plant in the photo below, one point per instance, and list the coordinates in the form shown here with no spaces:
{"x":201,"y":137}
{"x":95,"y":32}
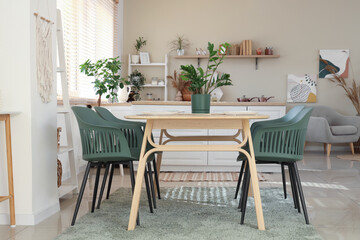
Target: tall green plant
{"x":204,"y":82}
{"x":107,"y":76}
{"x":140,"y":42}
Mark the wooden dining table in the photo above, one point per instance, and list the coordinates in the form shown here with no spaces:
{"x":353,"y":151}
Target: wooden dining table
{"x":164,"y":122}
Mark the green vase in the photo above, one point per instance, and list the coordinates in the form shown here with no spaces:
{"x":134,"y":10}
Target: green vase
{"x":200,"y":103}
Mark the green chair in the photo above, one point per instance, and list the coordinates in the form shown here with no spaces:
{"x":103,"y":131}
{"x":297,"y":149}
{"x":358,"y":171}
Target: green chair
{"x":135,"y":147}
{"x":256,"y":125}
{"x":282,"y":143}
{"x":102,"y":142}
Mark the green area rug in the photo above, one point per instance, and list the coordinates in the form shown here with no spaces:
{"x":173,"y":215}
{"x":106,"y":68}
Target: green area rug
{"x":193,"y":213}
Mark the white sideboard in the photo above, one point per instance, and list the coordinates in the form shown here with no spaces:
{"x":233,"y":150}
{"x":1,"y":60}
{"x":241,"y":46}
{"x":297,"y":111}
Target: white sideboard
{"x":200,"y":161}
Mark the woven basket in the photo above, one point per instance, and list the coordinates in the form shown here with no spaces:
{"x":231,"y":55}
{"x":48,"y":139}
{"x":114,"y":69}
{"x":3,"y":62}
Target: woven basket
{"x":59,"y":173}
{"x":357,"y":146}
{"x":59,"y":165}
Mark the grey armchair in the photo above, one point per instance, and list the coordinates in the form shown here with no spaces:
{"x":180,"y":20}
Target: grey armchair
{"x":329,"y":127}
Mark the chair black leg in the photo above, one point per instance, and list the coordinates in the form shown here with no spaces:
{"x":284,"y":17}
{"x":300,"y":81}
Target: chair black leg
{"x":110,"y":180}
{"x":103,"y":185}
{"x":148,"y":190}
{"x":301,"y":193}
{"x":283,"y":179}
{"x":132,"y":180}
{"x":293,"y":189}
{"x":156,"y":179}
{"x":151,"y":183}
{"x":96,"y":187}
{"x":239,"y":180}
{"x":81,"y":193}
{"x":245,"y":195}
{"x":242,"y":189}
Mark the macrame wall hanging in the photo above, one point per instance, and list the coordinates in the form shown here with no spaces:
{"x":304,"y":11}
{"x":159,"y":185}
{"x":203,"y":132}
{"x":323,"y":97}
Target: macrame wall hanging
{"x":44,"y":63}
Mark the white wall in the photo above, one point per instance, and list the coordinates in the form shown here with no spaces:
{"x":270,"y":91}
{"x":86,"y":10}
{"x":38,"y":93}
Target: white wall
{"x":34,"y":130}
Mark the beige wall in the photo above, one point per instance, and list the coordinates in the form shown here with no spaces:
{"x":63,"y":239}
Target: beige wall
{"x":296,"y":30}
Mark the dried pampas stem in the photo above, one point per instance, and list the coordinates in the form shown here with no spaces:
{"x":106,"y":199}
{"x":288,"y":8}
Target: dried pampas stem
{"x":352,"y":92}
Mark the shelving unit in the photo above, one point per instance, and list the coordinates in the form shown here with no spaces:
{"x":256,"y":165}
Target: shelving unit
{"x":164,"y":64}
{"x":256,"y":57}
{"x":71,"y":185}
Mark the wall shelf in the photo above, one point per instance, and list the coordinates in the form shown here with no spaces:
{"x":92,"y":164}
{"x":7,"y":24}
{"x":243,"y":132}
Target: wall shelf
{"x":256,"y":57}
{"x":149,"y":65}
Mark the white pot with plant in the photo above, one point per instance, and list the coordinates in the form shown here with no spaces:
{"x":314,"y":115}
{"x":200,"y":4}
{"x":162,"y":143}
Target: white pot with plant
{"x":140,"y":42}
{"x":179,"y":44}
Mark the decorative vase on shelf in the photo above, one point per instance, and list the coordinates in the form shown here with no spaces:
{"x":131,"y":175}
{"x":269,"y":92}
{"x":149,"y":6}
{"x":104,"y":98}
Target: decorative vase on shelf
{"x":178,"y":96}
{"x":200,"y":103}
{"x":186,"y":94}
{"x":180,"y":52}
{"x":135,"y":59}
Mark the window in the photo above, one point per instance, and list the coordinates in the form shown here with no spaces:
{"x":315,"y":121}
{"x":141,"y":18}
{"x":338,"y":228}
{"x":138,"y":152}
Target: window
{"x":90,"y":32}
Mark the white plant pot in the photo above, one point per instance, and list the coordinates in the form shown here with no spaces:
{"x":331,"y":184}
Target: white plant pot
{"x":180,"y":52}
{"x":123,"y":94}
{"x":135,"y":59}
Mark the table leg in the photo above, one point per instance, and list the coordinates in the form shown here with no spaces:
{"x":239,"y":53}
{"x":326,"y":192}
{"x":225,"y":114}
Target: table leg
{"x":254,"y":178}
{"x":159,"y":158}
{"x":10,"y":171}
{"x":139,"y":177}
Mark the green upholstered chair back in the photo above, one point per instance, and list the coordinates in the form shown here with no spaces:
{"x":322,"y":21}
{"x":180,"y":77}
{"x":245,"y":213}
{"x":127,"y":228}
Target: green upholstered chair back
{"x":133,"y":131}
{"x":107,"y":115}
{"x":282,"y":142}
{"x":290,"y":115}
{"x":100,"y":140}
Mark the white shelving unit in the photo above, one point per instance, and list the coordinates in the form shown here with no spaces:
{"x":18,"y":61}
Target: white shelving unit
{"x":163,"y":64}
{"x":70,"y":185}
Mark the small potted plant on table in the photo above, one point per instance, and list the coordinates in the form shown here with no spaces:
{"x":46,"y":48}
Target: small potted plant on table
{"x":204,"y":82}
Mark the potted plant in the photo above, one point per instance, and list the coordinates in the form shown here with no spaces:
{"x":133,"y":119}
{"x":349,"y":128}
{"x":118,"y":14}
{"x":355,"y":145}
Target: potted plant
{"x":179,"y":44}
{"x":107,"y":76}
{"x":140,"y":42}
{"x":204,"y":82}
{"x":137,"y":81}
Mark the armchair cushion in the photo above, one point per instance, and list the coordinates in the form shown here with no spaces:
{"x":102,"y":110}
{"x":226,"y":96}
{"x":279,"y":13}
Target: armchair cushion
{"x":328,"y":126}
{"x":343,"y":130}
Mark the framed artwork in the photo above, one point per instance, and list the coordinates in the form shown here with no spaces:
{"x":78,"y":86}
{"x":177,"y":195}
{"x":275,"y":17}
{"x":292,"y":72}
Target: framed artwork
{"x":338,"y":58}
{"x":144,"y":58}
{"x":301,"y":88}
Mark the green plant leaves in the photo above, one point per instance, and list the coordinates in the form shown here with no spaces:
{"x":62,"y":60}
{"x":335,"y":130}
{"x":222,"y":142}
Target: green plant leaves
{"x":107,"y":75}
{"x":137,"y":80}
{"x":202,"y":82}
{"x":140,"y":42}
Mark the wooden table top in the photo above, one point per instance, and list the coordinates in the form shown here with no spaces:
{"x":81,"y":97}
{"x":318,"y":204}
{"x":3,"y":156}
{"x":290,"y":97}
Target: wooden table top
{"x":188,"y":103}
{"x":9,"y":112}
{"x":197,"y":116}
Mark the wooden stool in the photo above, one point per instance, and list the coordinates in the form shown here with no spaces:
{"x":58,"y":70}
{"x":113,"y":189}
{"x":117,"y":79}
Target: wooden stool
{"x":5,"y":116}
